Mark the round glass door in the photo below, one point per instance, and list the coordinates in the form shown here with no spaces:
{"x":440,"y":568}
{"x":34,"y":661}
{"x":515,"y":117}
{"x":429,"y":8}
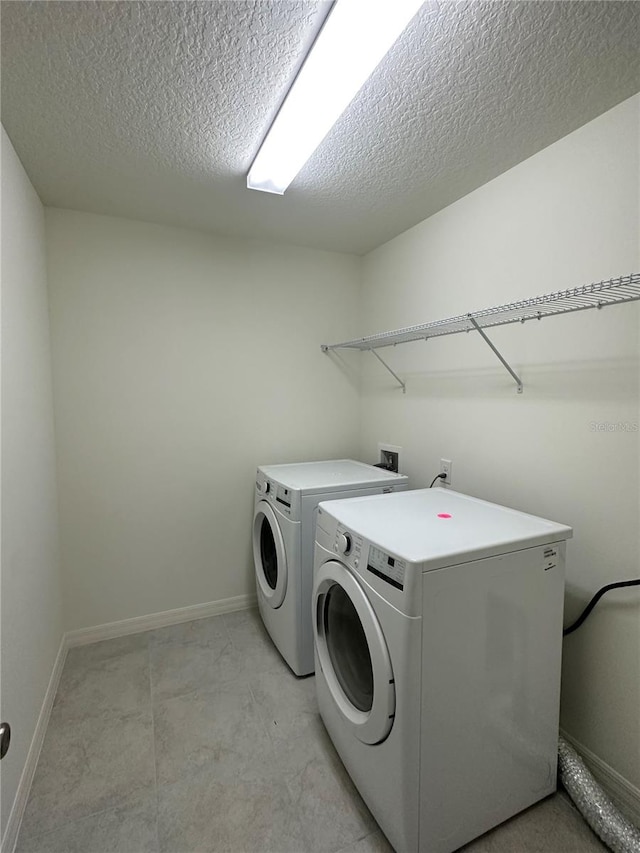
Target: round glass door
{"x":348,"y":649}
{"x":352,"y":653}
{"x":269,"y":555}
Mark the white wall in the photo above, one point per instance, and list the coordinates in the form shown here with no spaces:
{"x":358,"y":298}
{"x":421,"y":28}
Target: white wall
{"x":181,"y":362}
{"x":30,"y":589}
{"x":567,"y":216}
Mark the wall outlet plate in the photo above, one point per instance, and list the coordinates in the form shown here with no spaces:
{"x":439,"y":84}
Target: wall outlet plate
{"x":390,"y":456}
{"x":446,"y":467}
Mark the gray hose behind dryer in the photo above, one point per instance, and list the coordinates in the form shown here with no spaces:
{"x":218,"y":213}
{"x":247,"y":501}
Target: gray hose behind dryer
{"x":619,"y":834}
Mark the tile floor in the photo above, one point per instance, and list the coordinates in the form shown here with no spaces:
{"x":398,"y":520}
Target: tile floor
{"x":197,"y":737}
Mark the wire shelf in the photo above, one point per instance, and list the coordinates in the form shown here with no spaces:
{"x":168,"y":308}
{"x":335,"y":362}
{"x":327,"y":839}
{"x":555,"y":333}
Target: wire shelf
{"x":613,"y":291}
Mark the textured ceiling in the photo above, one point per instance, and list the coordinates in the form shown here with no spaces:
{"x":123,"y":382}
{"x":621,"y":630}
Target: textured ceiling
{"x":154,"y":110}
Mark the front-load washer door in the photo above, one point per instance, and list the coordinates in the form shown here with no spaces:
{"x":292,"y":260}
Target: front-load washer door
{"x":353,"y":653}
{"x":269,"y":555}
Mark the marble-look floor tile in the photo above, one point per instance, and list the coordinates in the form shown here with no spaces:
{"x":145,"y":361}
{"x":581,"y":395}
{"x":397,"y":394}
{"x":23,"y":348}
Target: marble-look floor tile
{"x":115,"y":684}
{"x":178,"y":668}
{"x":373,"y":843}
{"x":287,"y":704}
{"x":245,"y":626}
{"x":202,"y":632}
{"x":242,"y":757}
{"x":548,"y":827}
{"x":131,"y":828}
{"x":89,"y":766}
{"x":320,"y":736}
{"x":106,"y":649}
{"x":250,"y":637}
{"x":227,"y":817}
{"x":217,"y":731}
{"x":331,"y":812}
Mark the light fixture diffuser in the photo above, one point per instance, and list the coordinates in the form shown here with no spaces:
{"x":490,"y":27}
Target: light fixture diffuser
{"x":355,"y":37}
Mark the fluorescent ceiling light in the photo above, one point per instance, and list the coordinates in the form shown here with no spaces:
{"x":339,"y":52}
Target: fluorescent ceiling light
{"x":353,"y":40}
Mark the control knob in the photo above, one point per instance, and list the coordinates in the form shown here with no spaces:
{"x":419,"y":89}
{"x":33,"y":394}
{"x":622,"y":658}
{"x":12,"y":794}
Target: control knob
{"x":344,"y":543}
{"x":265,"y":487}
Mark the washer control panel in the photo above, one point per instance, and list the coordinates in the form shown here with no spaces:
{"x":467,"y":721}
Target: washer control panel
{"x":263,"y":487}
{"x":349,"y":545}
{"x":283,"y":497}
{"x":279,"y":496}
{"x":344,"y":543}
{"x":390,"y":569}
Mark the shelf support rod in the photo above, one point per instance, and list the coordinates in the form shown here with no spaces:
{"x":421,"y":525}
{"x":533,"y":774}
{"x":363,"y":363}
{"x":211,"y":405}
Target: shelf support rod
{"x":489,"y":344}
{"x":395,"y":375}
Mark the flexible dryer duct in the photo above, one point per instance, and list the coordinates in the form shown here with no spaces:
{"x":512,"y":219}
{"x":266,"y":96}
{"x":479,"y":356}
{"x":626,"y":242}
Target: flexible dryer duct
{"x":603,"y":817}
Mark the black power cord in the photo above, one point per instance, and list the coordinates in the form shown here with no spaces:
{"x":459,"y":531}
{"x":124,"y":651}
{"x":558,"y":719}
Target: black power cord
{"x":438,"y":477}
{"x":596,"y":598}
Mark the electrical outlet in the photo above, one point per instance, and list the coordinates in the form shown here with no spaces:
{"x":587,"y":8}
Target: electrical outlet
{"x":446,"y":467}
{"x":390,"y":456}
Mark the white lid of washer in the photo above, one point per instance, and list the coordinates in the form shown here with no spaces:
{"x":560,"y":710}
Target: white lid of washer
{"x":439,"y":527}
{"x":330,"y":475}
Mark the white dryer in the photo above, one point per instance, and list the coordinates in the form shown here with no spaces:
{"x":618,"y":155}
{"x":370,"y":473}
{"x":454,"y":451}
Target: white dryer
{"x":286,"y":505}
{"x":438,"y":635}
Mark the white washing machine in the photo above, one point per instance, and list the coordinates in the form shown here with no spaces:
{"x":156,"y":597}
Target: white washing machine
{"x":286,"y":505}
{"x":438,"y":637}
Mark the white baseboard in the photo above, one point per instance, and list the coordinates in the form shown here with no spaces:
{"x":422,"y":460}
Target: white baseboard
{"x":624,"y":795}
{"x":83,"y":636}
{"x":28,"y":771}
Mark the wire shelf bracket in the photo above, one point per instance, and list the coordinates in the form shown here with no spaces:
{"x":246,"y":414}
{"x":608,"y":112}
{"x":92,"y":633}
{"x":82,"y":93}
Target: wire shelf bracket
{"x":395,"y":375}
{"x":327,"y":348}
{"x":614,"y":291}
{"x":495,"y":350}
